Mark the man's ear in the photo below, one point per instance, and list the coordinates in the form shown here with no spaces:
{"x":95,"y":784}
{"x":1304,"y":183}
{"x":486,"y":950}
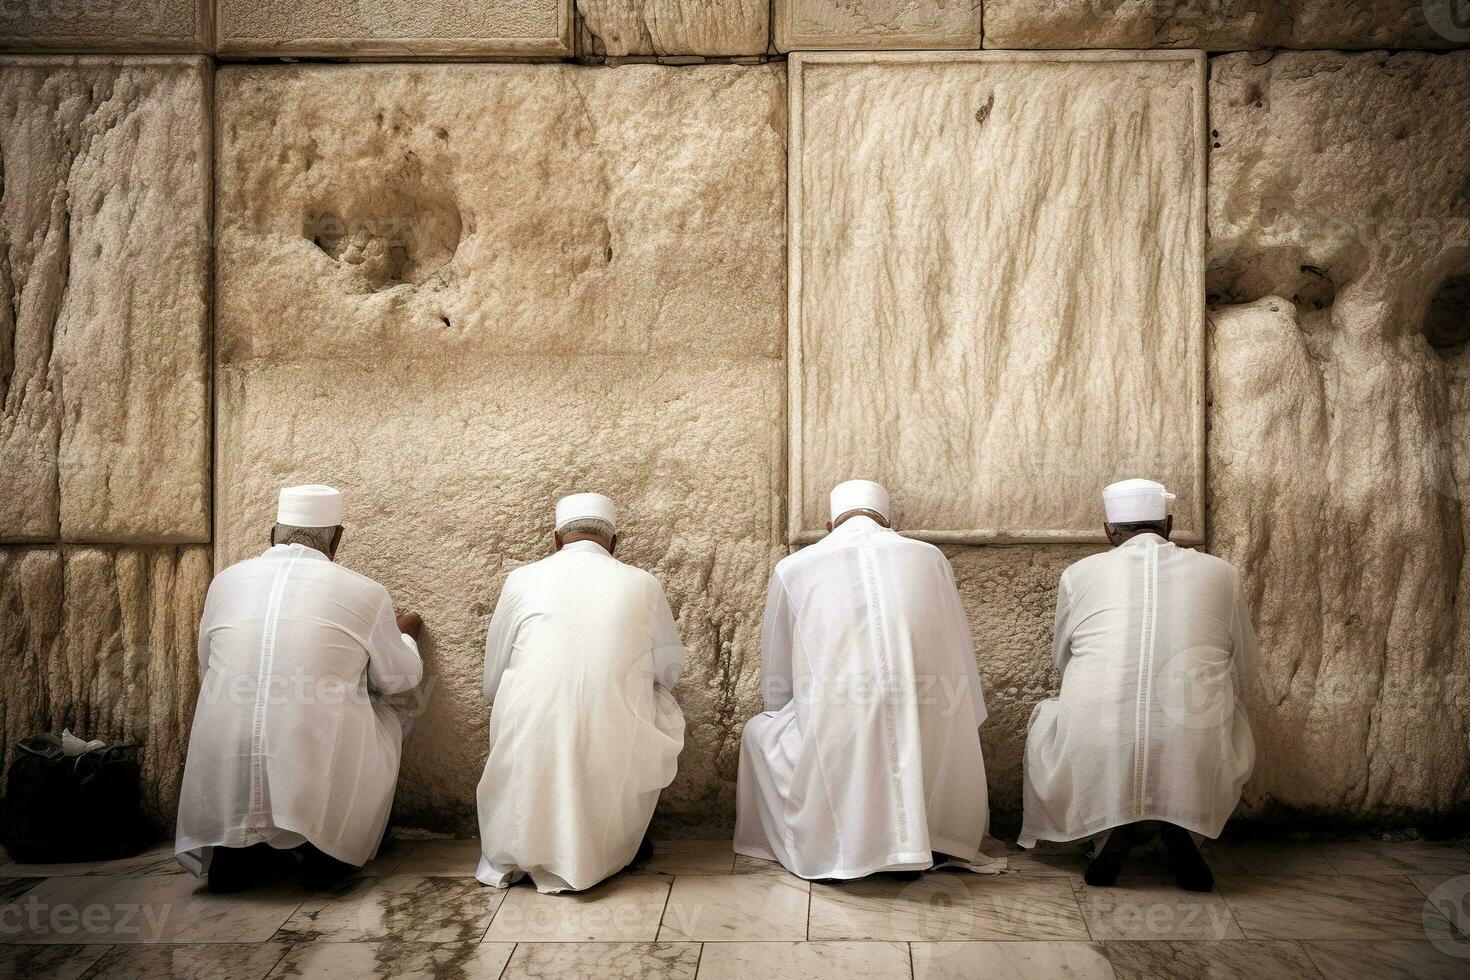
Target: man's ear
{"x":612,"y":546}
{"x":336,"y":542}
{"x":829,"y":525}
{"x":1108,"y":533}
{"x":555,"y":540}
{"x":1168,"y":526}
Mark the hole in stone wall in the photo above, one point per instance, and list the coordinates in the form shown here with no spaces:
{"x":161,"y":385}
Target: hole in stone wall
{"x":1314,"y":291}
{"x":1447,"y":323}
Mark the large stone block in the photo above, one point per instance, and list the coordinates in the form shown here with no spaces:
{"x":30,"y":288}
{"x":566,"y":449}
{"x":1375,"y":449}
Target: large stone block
{"x":537,"y":280}
{"x":106,"y":25}
{"x":869,"y":24}
{"x":1226,"y":25}
{"x":1340,"y":224}
{"x":102,"y":641}
{"x":104,"y":329}
{"x":997,"y":286}
{"x":423,"y":28}
{"x":677,"y":27}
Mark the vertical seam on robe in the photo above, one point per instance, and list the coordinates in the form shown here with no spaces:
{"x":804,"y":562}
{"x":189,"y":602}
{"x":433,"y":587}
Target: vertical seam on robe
{"x":1145,"y":676}
{"x":262,"y":685}
{"x":879,"y":626}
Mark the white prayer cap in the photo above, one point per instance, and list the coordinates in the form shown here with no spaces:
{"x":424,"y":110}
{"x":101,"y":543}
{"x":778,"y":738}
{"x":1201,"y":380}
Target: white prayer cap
{"x":1135,"y":501}
{"x":859,"y":495}
{"x":583,"y":505}
{"x":313,"y":505}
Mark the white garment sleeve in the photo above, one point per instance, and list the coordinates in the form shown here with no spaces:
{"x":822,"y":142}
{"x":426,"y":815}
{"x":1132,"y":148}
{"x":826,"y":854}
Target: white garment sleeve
{"x":500,"y":640}
{"x":393,"y":657}
{"x":960,"y":628}
{"x":1061,"y":631}
{"x":1247,"y":655}
{"x":777,"y":630}
{"x":668,"y":649}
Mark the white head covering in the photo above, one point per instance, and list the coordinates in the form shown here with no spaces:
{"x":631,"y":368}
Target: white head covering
{"x":582,"y":505}
{"x":1134,"y":501}
{"x":313,"y":505}
{"x":859,"y":495}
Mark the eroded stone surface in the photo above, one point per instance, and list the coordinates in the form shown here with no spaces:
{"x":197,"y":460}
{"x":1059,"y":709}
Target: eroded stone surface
{"x":677,"y":27}
{"x":1338,"y":433}
{"x":103,"y":332}
{"x":392,"y":27}
{"x":970,"y":277}
{"x":827,"y":24}
{"x":610,"y":317}
{"x":105,"y":25}
{"x":1225,"y":25}
{"x":102,"y":641}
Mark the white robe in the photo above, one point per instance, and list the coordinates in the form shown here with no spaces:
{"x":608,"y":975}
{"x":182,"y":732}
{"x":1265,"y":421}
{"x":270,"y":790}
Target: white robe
{"x":867,"y":757}
{"x":580,"y":658}
{"x":1154,"y":643}
{"x":292,"y":741}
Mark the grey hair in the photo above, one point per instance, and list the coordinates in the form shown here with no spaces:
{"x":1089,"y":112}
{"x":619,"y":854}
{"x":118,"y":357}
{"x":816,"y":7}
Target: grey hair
{"x":588,"y":525}
{"x":319,"y":538}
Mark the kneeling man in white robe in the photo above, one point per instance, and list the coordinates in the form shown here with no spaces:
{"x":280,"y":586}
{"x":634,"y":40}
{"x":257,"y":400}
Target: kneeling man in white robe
{"x":1149,"y":732}
{"x":296,"y":741}
{"x":867,"y":757}
{"x":580,"y":661}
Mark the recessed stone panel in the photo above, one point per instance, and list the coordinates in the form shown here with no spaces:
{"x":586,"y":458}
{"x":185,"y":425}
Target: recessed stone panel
{"x":105,"y":222}
{"x":677,"y":27}
{"x":106,"y":25}
{"x":876,"y":24}
{"x":1225,"y":25}
{"x":588,"y":294}
{"x":394,"y":28}
{"x":996,"y":287}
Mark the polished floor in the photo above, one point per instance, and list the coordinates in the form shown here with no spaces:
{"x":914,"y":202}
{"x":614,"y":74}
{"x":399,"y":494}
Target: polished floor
{"x":1297,"y":910}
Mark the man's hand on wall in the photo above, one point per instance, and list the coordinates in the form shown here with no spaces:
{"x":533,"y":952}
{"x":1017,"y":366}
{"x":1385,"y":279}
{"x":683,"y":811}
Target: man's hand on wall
{"x":411,"y":623}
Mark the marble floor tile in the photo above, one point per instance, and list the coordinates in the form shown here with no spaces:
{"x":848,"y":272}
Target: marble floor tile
{"x":799,"y":961}
{"x":1154,"y":908}
{"x":746,"y":865}
{"x":947,"y":906}
{"x":145,"y":909}
{"x":1253,"y":858}
{"x":1449,"y":895}
{"x":49,"y":962}
{"x":1400,"y":959}
{"x":395,"y":959}
{"x":1232,"y":959}
{"x":158,"y":860}
{"x":690,"y":857}
{"x":12,"y":887}
{"x":451,"y":858}
{"x":1322,"y":907}
{"x":198,"y":961}
{"x":1049,"y":864}
{"x":413,"y":908}
{"x":1010,"y":960}
{"x":389,"y":857}
{"x":624,"y":909}
{"x":618,"y":961}
{"x":1384,"y":858}
{"x":719,"y":908}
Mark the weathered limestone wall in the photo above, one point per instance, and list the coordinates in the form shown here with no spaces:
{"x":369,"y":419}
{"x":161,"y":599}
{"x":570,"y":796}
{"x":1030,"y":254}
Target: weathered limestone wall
{"x":458,"y":291}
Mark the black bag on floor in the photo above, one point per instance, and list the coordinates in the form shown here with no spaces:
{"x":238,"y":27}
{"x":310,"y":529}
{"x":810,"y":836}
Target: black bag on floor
{"x":85,"y":807}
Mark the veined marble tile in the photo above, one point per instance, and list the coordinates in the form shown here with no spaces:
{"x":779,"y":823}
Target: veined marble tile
{"x":1449,"y":895}
{"x":622,"y":909}
{"x":1379,"y":960}
{"x":48,"y":962}
{"x":452,"y":858}
{"x":390,"y":855}
{"x":1385,"y":858}
{"x":746,"y":865}
{"x":690,"y":857}
{"x":1322,"y":907}
{"x":149,"y":909}
{"x":1233,"y":959}
{"x":714,"y":908}
{"x":413,"y":908}
{"x":198,"y":961}
{"x":398,"y":960}
{"x":1154,"y":908}
{"x":631,"y":961}
{"x":1253,"y":858}
{"x":1010,"y":961}
{"x":12,"y":887}
{"x":947,"y":906}
{"x":154,"y":861}
{"x":1049,"y":864}
{"x":798,"y":961}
